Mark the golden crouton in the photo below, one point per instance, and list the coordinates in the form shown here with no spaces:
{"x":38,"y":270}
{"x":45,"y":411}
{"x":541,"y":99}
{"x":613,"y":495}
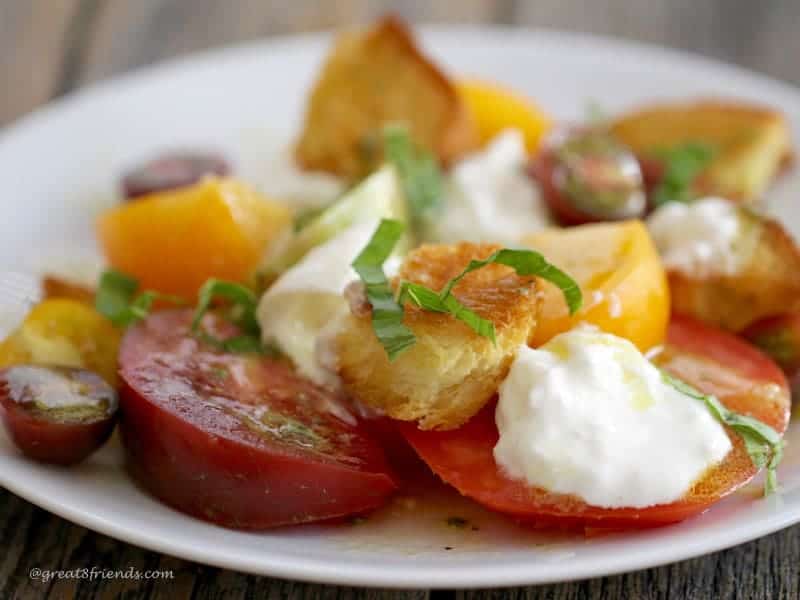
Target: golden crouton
{"x":751,"y":142}
{"x":56,"y":287}
{"x":451,"y":371}
{"x":767,"y":284}
{"x":372,"y":78}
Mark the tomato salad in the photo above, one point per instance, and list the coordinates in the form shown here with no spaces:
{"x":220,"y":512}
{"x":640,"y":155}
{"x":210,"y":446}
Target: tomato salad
{"x":536,"y":312}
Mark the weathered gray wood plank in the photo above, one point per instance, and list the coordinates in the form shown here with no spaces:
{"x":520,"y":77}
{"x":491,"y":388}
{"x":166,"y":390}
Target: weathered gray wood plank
{"x":757,"y":35}
{"x":37,"y":42}
{"x":765,"y":569}
{"x":33,"y":40}
{"x":131,"y":34}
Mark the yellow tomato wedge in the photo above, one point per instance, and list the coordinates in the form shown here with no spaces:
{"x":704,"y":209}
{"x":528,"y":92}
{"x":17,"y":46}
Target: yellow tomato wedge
{"x":624,"y":285}
{"x":495,"y":108}
{"x":13,"y":351}
{"x":67,"y":333}
{"x":173,"y":241}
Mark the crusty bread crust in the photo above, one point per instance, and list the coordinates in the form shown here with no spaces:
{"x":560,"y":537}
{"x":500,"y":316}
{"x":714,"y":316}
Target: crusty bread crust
{"x":451,"y":372}
{"x":753,"y":142}
{"x":372,"y":78}
{"x":767,"y":284}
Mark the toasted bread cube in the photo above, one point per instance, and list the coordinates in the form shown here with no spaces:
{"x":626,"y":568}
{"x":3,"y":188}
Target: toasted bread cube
{"x":451,"y":372}
{"x":752,"y":142}
{"x":372,"y":78}
{"x":765,"y":285}
{"x":56,"y":287}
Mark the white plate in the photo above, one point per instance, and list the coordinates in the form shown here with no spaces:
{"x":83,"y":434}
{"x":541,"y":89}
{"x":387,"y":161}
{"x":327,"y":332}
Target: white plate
{"x":58,"y":168}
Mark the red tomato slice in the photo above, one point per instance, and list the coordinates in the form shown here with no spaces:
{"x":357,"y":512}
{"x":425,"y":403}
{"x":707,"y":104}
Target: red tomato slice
{"x":240,"y":440}
{"x":716,"y":362}
{"x":405,"y":463}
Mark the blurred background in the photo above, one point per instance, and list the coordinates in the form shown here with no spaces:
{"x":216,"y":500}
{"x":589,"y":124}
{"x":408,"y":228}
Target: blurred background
{"x":50,"y":47}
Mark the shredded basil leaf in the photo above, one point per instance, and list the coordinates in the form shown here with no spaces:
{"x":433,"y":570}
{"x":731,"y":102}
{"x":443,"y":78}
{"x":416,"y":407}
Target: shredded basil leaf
{"x":419,"y":173}
{"x":114,"y":295}
{"x":387,"y":313}
{"x":764,"y":445}
{"x":421,"y":296}
{"x":432,"y":301}
{"x":116,"y":299}
{"x":682,"y":164}
{"x":524,"y":262}
{"x":771,"y":482}
{"x":527,"y":262}
{"x":242,"y":313}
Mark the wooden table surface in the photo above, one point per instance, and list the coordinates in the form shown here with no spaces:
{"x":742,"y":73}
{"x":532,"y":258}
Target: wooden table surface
{"x":51,"y":47}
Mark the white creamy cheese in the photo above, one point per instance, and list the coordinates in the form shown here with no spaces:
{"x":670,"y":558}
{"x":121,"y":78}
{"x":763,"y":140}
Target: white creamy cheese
{"x":490,"y":198}
{"x":700,"y":238}
{"x":307,"y":298}
{"x":587,"y":414}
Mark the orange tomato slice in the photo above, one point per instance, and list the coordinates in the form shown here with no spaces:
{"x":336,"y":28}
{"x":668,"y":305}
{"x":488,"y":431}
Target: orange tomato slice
{"x":175,"y":240}
{"x":625,"y":290}
{"x":64,"y":332}
{"x":495,"y":108}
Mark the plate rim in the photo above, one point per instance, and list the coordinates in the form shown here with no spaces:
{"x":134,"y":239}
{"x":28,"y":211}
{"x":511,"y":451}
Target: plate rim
{"x":319,"y":572}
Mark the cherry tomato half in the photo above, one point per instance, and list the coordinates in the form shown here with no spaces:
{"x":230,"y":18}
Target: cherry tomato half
{"x":713,"y":361}
{"x":170,"y":171}
{"x":240,"y":440}
{"x":587,"y":176}
{"x":57,"y":415}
